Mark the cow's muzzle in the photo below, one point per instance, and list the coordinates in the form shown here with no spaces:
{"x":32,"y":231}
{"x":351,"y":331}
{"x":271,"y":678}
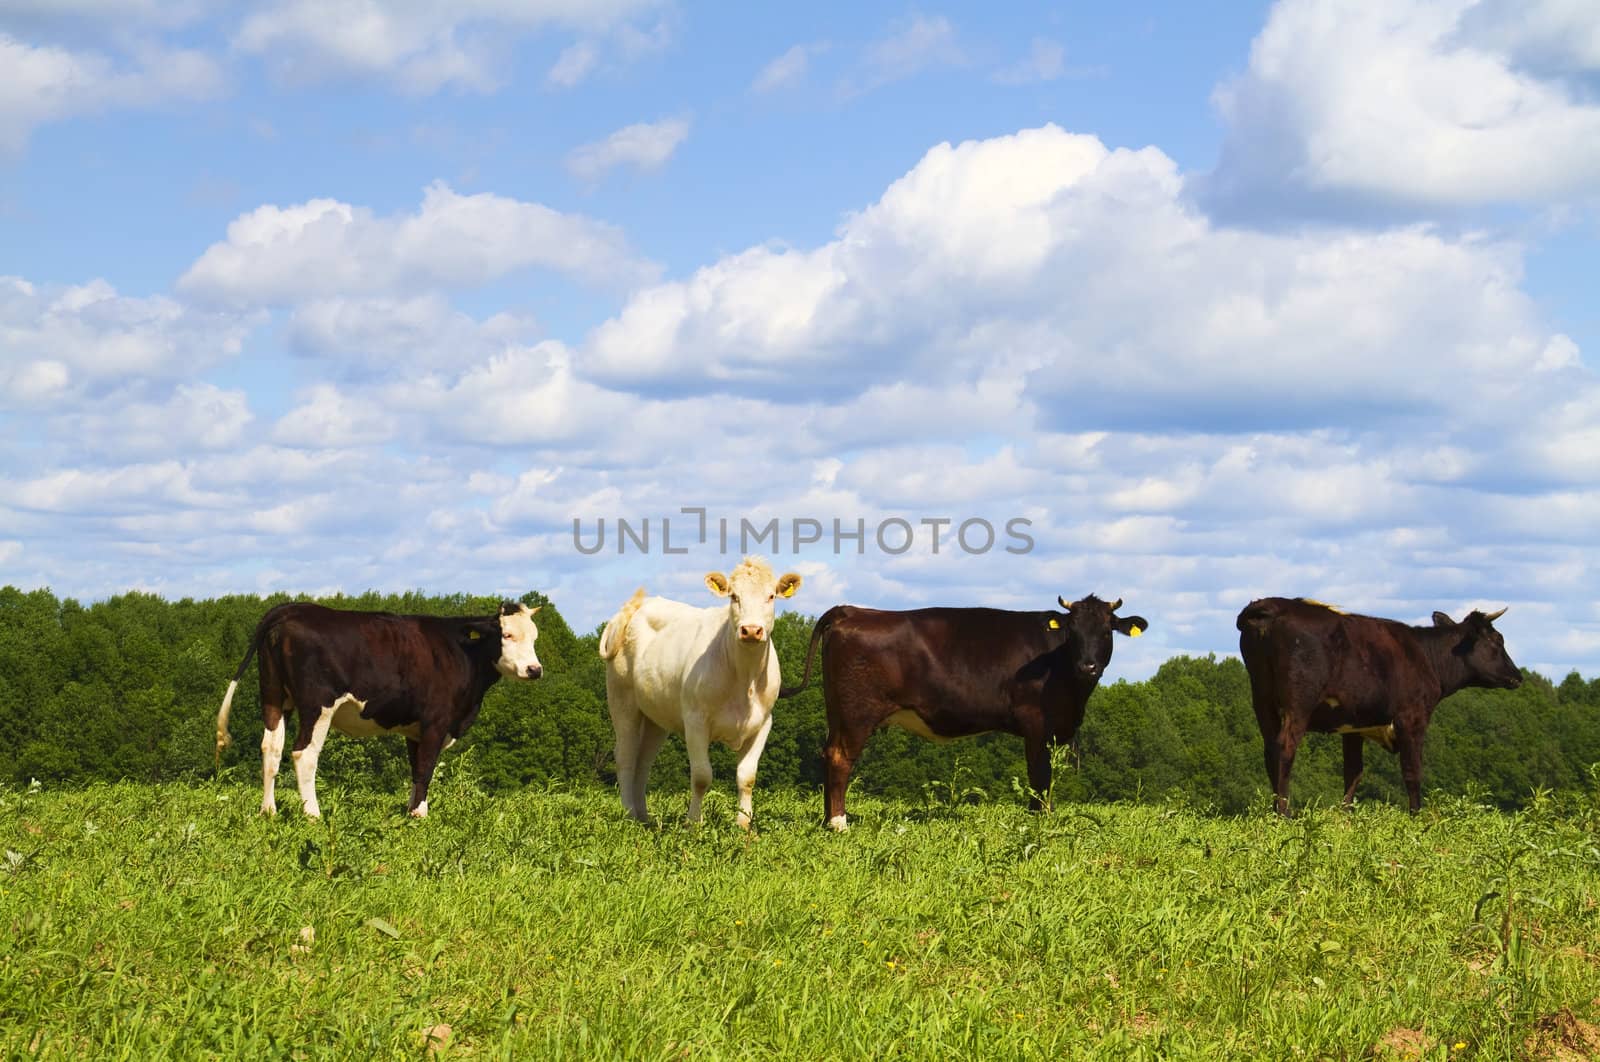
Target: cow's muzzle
{"x":752,"y":632}
{"x":534,"y":671}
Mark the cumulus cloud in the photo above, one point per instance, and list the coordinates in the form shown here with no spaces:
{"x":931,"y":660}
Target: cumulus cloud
{"x":63,"y":341}
{"x":44,"y":83}
{"x":381,"y":334}
{"x":275,"y":255}
{"x":642,"y":146}
{"x":420,"y":47}
{"x":1446,"y":103}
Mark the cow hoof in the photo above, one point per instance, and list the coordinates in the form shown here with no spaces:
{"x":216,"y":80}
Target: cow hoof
{"x":269,"y":811}
{"x":838,"y":824}
{"x":420,"y":811}
{"x":743,"y":820}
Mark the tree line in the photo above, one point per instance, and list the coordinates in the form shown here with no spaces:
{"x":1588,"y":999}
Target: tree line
{"x":128,"y":688}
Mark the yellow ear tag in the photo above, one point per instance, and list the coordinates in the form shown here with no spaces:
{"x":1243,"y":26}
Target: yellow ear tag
{"x":1135,"y":631}
{"x":1055,"y":625}
{"x":473,"y":636}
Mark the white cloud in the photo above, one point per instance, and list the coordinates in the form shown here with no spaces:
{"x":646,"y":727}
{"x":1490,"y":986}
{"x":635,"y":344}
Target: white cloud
{"x":917,"y":44}
{"x":381,"y":334}
{"x":1414,"y":102}
{"x":575,"y":63}
{"x":643,"y":146}
{"x":786,"y":69}
{"x":60,"y":341}
{"x":44,"y":83}
{"x":324,"y":247}
{"x":1046,"y":61}
{"x":326,"y":419}
{"x":421,"y":47}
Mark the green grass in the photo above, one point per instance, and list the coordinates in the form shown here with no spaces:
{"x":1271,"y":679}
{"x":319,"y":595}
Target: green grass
{"x":143,"y":922}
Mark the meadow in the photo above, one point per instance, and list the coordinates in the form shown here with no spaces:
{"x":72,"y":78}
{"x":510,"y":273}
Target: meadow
{"x":174,"y":921}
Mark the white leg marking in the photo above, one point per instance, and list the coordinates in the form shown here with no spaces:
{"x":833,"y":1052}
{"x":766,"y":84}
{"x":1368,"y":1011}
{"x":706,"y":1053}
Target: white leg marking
{"x":271,"y":757}
{"x":839,"y":823}
{"x":305,"y":761}
{"x":420,"y":811}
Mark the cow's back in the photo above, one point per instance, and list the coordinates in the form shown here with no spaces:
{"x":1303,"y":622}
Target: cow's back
{"x":937,"y":655}
{"x":384,"y":659}
{"x":661,"y":644}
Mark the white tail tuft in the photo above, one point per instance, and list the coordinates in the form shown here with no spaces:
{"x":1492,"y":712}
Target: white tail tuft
{"x":222,"y":721}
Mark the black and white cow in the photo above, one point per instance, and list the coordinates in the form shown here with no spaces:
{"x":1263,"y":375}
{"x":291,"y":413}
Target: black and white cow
{"x":366,"y":673}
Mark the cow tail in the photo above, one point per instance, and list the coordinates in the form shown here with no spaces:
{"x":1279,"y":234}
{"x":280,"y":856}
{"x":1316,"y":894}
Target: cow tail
{"x":823,"y":623}
{"x":227,"y":699}
{"x":616,"y":631}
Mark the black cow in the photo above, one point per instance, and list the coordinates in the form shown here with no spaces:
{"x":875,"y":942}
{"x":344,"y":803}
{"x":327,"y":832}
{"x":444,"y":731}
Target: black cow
{"x":368,"y":673}
{"x":1313,"y":667}
{"x":950,"y":672}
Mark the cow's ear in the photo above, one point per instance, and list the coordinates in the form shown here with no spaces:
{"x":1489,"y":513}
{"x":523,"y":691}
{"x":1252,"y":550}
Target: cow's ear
{"x":717,"y":583}
{"x":479,"y":630}
{"x":788,"y":583}
{"x":1442,"y":620}
{"x":1132,"y":626}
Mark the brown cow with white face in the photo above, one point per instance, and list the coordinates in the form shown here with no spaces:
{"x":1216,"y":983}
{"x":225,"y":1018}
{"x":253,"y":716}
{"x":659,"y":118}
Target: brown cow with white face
{"x":365,"y":673}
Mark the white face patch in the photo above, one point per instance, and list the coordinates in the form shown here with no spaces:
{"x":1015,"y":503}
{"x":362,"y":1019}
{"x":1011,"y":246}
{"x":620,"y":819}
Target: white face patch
{"x":517,"y":635}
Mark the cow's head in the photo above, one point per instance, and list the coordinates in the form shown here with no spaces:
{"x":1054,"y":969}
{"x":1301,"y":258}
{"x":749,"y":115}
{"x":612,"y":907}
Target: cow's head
{"x":1481,"y":650}
{"x":517,"y":635}
{"x":1088,"y":624}
{"x":752,"y":592}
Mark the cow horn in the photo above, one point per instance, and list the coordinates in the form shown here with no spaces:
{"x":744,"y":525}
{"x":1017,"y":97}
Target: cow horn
{"x":1063,"y":602}
{"x":1492,"y":616}
{"x":1116,"y":604}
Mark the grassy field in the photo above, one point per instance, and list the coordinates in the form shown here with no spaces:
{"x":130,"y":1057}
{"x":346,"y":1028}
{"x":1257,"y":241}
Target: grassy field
{"x":174,"y":921}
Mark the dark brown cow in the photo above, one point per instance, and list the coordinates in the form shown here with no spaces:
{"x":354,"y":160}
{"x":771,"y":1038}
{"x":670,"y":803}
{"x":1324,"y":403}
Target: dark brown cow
{"x":946,"y":673}
{"x":1313,"y":667}
{"x":366,"y":673}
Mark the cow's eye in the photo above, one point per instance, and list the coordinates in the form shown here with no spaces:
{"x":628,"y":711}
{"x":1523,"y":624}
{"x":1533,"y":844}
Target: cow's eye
{"x":772,"y":597}
{"x":734,"y":598}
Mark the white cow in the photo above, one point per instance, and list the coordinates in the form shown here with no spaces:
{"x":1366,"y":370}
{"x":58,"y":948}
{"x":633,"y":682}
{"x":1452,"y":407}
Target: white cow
{"x":710,"y":674}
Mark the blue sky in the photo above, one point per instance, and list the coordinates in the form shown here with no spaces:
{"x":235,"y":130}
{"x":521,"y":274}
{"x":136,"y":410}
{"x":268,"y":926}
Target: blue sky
{"x":1277,"y":298}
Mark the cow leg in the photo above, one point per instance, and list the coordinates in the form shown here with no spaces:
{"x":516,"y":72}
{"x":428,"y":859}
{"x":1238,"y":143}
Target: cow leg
{"x":697,"y":742}
{"x":1352,"y":765}
{"x":749,"y":760}
{"x":271,"y":757}
{"x":627,"y":723}
{"x":1037,"y":751}
{"x":274,"y":701}
{"x":839,"y":757}
{"x":308,"y":741}
{"x":1409,"y":747}
{"x":651,"y":738}
{"x":1288,"y":743}
{"x":423,"y":761}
